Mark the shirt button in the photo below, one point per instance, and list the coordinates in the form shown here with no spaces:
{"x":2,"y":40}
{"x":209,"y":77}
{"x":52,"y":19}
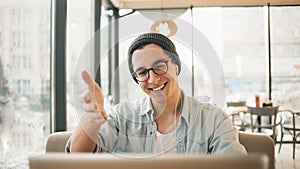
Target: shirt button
{"x":150,"y":133}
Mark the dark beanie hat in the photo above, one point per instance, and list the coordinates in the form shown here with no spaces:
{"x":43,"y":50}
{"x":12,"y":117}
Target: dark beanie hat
{"x":154,"y":38}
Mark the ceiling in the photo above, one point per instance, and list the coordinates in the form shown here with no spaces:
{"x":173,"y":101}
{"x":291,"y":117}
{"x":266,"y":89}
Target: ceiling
{"x":157,"y":4}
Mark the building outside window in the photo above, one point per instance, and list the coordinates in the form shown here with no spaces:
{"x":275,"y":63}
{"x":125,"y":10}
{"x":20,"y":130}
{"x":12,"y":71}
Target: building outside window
{"x":21,"y":15}
{"x":24,"y":107}
{"x":20,"y":39}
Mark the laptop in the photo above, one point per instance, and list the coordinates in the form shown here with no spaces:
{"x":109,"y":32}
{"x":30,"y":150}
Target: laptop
{"x":141,"y":161}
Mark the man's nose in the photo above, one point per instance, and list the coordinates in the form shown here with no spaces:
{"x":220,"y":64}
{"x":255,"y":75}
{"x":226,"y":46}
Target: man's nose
{"x":152,"y":77}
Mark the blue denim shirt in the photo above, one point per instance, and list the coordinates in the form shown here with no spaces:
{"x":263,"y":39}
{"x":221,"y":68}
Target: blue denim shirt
{"x":202,"y":128}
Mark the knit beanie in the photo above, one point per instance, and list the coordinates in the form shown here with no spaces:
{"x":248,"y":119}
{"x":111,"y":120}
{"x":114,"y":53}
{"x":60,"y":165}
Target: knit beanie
{"x":154,"y":38}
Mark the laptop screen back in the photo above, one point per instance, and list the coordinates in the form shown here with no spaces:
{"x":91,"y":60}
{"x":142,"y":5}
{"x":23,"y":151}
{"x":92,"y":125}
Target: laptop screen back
{"x":167,"y":161}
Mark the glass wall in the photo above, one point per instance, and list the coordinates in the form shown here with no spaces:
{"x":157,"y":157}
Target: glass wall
{"x":285,"y":54}
{"x":105,"y":61}
{"x":81,"y":37}
{"x":237,"y":37}
{"x":79,"y":34}
{"x":24,"y":80}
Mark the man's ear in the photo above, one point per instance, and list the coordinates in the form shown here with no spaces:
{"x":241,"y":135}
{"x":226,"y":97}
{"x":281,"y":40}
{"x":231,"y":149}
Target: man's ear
{"x":177,"y":69}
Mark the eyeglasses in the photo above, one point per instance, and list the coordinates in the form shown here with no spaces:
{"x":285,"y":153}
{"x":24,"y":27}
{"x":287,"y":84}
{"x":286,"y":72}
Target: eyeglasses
{"x":159,"y":68}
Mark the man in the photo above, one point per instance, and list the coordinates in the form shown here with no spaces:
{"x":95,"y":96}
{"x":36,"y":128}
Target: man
{"x":166,"y":121}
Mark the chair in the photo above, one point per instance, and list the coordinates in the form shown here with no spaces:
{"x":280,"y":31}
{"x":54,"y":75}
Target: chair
{"x":241,"y":124}
{"x":57,"y":141}
{"x":236,"y":104}
{"x":293,"y":128}
{"x":259,"y":143}
{"x":266,"y":127}
{"x":253,"y":142}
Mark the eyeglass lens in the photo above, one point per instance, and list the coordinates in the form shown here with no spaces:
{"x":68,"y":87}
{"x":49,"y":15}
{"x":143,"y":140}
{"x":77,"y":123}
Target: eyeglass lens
{"x":159,"y":69}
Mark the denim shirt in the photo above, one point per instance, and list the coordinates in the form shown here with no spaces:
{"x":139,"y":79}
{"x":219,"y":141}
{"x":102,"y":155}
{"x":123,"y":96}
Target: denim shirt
{"x":202,"y":128}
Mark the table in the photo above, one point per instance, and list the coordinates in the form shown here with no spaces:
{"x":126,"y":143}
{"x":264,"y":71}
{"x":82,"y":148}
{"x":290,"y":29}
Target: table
{"x":244,"y":109}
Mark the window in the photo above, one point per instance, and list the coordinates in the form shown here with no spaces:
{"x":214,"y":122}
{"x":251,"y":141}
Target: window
{"x":104,"y":65}
{"x":236,"y":34}
{"x":45,"y":86}
{"x":25,"y":87}
{"x":22,"y":87}
{"x":20,"y":40}
{"x":45,"y":95}
{"x":21,"y":16}
{"x":238,"y":42}
{"x":16,"y":63}
{"x":79,"y":54}
{"x":25,"y":123}
{"x":21,"y":62}
{"x":285,"y":72}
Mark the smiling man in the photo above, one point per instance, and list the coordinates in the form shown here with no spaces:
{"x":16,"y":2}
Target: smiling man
{"x":166,"y":121}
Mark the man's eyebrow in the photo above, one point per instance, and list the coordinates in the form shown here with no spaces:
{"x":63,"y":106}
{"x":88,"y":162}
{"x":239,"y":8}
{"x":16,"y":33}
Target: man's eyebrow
{"x":159,"y":60}
{"x":139,"y":68}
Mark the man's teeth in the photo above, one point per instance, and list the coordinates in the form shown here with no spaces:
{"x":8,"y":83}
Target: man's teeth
{"x":158,"y":88}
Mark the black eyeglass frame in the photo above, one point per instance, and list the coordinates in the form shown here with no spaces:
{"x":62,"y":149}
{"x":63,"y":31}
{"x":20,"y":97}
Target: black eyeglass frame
{"x":153,"y":70}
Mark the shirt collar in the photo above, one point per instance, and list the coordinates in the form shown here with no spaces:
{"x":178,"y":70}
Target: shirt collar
{"x":146,"y":106}
{"x":185,"y":108}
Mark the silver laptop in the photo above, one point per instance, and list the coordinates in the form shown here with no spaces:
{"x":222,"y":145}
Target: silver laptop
{"x":142,"y":161}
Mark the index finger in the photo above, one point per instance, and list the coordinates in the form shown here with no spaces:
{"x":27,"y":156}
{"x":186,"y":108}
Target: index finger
{"x":88,"y":80}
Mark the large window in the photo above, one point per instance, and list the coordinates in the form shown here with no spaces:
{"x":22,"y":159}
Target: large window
{"x":81,"y":37}
{"x":79,"y":56}
{"x":24,"y":80}
{"x":236,"y":35}
{"x":285,"y":54}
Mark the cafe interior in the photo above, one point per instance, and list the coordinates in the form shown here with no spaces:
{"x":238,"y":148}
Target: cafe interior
{"x":241,"y":56}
